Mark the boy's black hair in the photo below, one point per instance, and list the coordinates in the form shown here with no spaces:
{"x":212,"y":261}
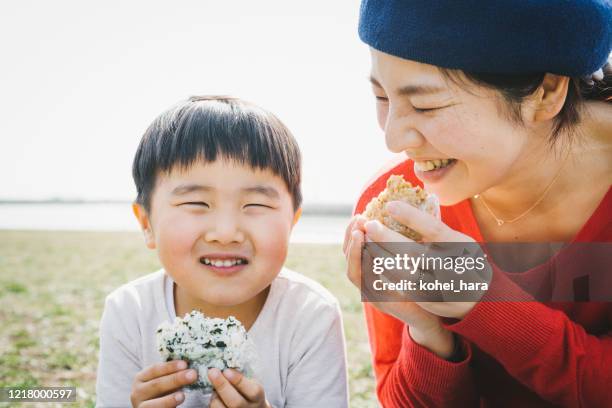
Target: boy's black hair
{"x":207,"y":128}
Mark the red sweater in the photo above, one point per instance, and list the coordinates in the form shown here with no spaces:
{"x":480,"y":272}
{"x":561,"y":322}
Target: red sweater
{"x":518,"y":354}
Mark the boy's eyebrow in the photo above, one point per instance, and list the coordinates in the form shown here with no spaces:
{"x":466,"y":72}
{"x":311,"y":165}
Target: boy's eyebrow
{"x":260,"y":189}
{"x":410,"y":90}
{"x":189,"y":188}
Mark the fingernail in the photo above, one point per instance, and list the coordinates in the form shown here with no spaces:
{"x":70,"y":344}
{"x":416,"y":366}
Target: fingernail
{"x":393,"y":208}
{"x":181,"y":365}
{"x":178,"y":397}
{"x":229,"y":374}
{"x":213,"y":373}
{"x":191,"y":375}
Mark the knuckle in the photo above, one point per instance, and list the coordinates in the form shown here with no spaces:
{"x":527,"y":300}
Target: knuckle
{"x":220,"y":386}
{"x":134,"y":399}
{"x":169,"y":401}
{"x":157,"y":369}
{"x":259,"y":394}
{"x":141,"y":374}
{"x":154,"y":386}
{"x":350,"y":273}
{"x":438,"y":229}
{"x":177,"y":380}
{"x":238,"y":381}
{"x":137,"y":390}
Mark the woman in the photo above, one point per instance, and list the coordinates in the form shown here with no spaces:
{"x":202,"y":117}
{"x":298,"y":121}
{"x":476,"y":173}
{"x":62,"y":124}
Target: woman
{"x":504,"y":112}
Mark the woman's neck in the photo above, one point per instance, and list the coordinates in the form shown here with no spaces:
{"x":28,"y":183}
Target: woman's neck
{"x":585,"y":155}
{"x":580,"y":173}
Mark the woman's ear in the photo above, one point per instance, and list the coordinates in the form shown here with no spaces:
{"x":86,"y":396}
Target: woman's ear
{"x":145,"y":224}
{"x":296,"y":216}
{"x":547,"y":101}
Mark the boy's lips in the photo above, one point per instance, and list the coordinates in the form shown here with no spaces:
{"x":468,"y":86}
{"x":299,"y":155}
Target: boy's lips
{"x":224,"y":263}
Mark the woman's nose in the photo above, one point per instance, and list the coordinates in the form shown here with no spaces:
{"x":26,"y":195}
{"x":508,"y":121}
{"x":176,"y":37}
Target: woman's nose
{"x":400,"y":133}
{"x":224,"y":230}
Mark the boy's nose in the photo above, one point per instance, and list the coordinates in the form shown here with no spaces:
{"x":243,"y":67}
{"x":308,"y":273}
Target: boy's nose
{"x":224,"y":231}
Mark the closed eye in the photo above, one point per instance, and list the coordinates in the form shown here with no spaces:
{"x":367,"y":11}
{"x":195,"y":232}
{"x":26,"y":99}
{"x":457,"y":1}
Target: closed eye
{"x":424,"y":109}
{"x":421,"y":110}
{"x":257,"y":205}
{"x":382,"y":99}
{"x":198,"y":203}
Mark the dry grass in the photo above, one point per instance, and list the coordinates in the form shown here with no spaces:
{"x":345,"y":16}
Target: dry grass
{"x":52,"y":289}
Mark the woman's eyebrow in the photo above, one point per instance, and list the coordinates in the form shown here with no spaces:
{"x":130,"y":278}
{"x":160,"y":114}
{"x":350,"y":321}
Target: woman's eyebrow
{"x":374,"y":82}
{"x":260,"y":189}
{"x":410,"y":90}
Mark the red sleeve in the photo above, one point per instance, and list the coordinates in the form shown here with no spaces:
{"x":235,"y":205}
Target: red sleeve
{"x":409,"y":375}
{"x":541,"y":347}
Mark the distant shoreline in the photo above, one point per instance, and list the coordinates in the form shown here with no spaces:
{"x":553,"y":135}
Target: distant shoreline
{"x":308,"y":209}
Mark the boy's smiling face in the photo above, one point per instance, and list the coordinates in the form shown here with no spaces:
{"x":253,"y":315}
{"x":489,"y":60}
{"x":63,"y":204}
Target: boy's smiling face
{"x":221,"y":229}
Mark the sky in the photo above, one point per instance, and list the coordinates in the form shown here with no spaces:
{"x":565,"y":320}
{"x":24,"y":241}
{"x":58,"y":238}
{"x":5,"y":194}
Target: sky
{"x":81,"y":81}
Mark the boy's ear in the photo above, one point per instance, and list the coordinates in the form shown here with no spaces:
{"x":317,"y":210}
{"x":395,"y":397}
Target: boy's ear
{"x":297,"y":215}
{"x":145,"y":224}
{"x":547,"y":101}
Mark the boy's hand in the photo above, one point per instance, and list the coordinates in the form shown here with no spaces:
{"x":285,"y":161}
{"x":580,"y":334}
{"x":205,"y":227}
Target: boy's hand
{"x":234,"y":390}
{"x":155,"y":385}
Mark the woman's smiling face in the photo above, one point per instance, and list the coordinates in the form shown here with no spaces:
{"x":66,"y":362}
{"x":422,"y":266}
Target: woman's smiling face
{"x":461,"y":141}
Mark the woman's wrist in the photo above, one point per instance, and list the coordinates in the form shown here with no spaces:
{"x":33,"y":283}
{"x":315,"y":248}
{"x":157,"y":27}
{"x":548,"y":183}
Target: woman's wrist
{"x":439,"y":341}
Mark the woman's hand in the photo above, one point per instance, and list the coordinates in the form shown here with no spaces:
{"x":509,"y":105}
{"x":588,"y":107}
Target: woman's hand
{"x":425,"y":328}
{"x":432,"y":230}
{"x":234,"y":390}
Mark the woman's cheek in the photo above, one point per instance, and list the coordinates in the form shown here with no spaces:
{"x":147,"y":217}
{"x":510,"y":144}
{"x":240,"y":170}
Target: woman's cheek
{"x":382,"y":111}
{"x":448,"y":135}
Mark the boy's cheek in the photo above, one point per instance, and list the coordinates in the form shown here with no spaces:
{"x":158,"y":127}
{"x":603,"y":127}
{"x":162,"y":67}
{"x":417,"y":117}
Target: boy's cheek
{"x":177,"y":234}
{"x":272,"y":240}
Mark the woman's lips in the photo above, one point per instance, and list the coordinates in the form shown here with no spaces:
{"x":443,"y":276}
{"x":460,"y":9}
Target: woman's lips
{"x":432,"y":176}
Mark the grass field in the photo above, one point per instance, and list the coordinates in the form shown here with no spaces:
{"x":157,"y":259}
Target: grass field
{"x":52,"y":289}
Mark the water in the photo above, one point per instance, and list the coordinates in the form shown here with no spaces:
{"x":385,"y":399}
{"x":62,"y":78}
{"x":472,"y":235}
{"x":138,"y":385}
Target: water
{"x":119,"y":217}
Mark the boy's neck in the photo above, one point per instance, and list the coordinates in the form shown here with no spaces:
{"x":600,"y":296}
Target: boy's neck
{"x":246,"y":312}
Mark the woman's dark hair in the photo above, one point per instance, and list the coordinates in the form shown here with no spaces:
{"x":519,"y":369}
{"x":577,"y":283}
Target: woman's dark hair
{"x":207,"y":128}
{"x":514,"y":88}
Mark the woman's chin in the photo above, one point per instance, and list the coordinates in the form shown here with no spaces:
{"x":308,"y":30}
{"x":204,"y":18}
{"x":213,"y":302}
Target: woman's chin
{"x":446,"y":197}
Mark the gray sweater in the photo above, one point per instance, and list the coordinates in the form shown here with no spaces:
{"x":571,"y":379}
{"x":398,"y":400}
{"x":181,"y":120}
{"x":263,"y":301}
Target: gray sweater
{"x":298,"y":336}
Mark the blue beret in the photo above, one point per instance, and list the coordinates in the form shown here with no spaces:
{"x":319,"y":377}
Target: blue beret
{"x":566,"y":37}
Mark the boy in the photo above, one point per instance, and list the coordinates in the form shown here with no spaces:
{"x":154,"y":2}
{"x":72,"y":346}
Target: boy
{"x":218,"y":183}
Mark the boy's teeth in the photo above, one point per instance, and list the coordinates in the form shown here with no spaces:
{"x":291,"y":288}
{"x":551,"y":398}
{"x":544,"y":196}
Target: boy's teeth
{"x":223,"y":263}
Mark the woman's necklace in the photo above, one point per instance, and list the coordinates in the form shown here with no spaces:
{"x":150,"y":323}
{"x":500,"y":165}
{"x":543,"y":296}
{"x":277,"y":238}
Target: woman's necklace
{"x":501,"y":222}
